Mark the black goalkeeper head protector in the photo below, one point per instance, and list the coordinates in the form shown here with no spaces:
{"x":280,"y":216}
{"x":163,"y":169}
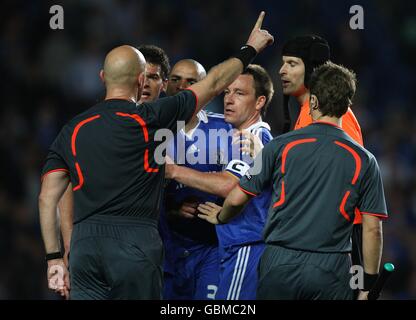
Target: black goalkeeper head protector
{"x":313,"y":50}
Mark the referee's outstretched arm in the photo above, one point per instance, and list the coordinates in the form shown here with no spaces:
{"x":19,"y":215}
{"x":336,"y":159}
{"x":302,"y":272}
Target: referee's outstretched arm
{"x":220,"y":76}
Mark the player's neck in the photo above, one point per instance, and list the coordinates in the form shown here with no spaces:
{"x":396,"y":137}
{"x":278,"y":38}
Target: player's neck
{"x":250,"y":121}
{"x":303,"y":98}
{"x":327,"y":119}
{"x":121,"y":93}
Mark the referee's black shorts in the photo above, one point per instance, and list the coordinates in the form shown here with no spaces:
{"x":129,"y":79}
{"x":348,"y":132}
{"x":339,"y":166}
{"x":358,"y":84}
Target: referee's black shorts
{"x":286,"y":274}
{"x":115,"y":257}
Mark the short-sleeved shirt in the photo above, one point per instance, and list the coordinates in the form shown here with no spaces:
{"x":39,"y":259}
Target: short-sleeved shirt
{"x":109,"y":154}
{"x":349,"y":124}
{"x":247,"y":227}
{"x":319,"y":176}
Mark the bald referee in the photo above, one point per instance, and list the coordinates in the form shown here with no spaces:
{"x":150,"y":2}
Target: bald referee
{"x":107,"y":154}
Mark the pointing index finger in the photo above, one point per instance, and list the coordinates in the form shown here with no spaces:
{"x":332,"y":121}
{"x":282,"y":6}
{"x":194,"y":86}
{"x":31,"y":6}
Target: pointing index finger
{"x":259,"y":21}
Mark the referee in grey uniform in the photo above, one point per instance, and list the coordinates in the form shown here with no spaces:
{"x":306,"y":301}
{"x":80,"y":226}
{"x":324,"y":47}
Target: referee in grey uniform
{"x":318,"y":175}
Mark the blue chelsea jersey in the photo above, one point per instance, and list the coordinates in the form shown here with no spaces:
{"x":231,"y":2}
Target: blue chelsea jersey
{"x":204,"y":149}
{"x":248,"y":226}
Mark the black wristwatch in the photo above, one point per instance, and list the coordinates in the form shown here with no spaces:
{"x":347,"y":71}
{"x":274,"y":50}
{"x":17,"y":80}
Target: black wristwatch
{"x":53,"y":255}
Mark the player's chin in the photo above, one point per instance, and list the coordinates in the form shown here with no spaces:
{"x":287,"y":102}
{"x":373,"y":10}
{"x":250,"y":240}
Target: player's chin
{"x":228,"y":118}
{"x":146,"y":98}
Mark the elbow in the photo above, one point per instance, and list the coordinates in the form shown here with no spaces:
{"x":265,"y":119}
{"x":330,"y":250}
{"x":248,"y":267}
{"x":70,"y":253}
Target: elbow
{"x":374,"y":232}
{"x":224,"y":191}
{"x":44,"y":201}
{"x":234,"y":202}
{"x":227,"y":187}
{"x":372,"y":227}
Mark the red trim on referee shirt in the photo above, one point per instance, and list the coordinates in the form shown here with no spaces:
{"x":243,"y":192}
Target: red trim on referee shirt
{"x":143,"y":124}
{"x":357,"y":218}
{"x":247,"y":192}
{"x":146,"y":163}
{"x":342,"y":206}
{"x":283,"y":168}
{"x":290,"y":146}
{"x":139,"y":120}
{"x":196,"y":100}
{"x":74,"y":151}
{"x":54,"y":170}
{"x":356,"y":158}
{"x":282,"y":196}
{"x":80,"y":178}
{"x":375,"y":214}
{"x":75,"y":133}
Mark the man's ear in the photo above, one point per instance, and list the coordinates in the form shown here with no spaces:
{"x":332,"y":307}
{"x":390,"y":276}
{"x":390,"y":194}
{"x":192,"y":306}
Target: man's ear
{"x":141,"y":80}
{"x":164,"y":85}
{"x":314,"y":102}
{"x":261,"y":101}
{"x":102,"y":75}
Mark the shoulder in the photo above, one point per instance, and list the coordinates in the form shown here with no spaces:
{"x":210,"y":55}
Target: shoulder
{"x":216,"y":120}
{"x":262,"y":130}
{"x":351,"y":116}
{"x":293,"y":135}
{"x":73,"y":125}
{"x":88,"y":115}
{"x":214,"y":115}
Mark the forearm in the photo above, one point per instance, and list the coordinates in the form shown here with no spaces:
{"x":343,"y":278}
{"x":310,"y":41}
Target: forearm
{"x":66,"y":210}
{"x":52,"y":189}
{"x":228,"y":212}
{"x":218,"y":78}
{"x":233,"y":205}
{"x":49,"y":224}
{"x":372,"y":248}
{"x":223,"y":74}
{"x":217,"y":183}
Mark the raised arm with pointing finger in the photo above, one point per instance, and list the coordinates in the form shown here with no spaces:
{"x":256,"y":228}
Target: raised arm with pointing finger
{"x":220,"y":76}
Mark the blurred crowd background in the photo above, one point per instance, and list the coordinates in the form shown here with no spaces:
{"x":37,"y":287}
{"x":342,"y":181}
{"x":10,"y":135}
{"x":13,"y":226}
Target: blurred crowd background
{"x":48,"y":76}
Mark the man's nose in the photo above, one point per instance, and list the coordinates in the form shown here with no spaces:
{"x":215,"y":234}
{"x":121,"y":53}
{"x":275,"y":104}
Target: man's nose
{"x":228,"y":99}
{"x":282,"y":70}
{"x":183,"y":85}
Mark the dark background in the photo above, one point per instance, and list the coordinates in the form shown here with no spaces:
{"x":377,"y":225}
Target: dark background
{"x":48,"y":76}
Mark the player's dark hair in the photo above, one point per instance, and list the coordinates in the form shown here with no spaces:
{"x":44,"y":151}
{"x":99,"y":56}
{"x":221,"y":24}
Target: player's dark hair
{"x":263,"y":85}
{"x":156,"y":55}
{"x":334,"y":86}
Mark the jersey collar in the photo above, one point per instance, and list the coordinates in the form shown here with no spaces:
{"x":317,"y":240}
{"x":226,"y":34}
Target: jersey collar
{"x":202,"y":117}
{"x":257,"y":125}
{"x":328,"y":123}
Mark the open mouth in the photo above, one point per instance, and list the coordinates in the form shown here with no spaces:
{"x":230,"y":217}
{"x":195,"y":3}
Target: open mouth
{"x":228,"y":111}
{"x":285,"y":83}
{"x":145,"y":94}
